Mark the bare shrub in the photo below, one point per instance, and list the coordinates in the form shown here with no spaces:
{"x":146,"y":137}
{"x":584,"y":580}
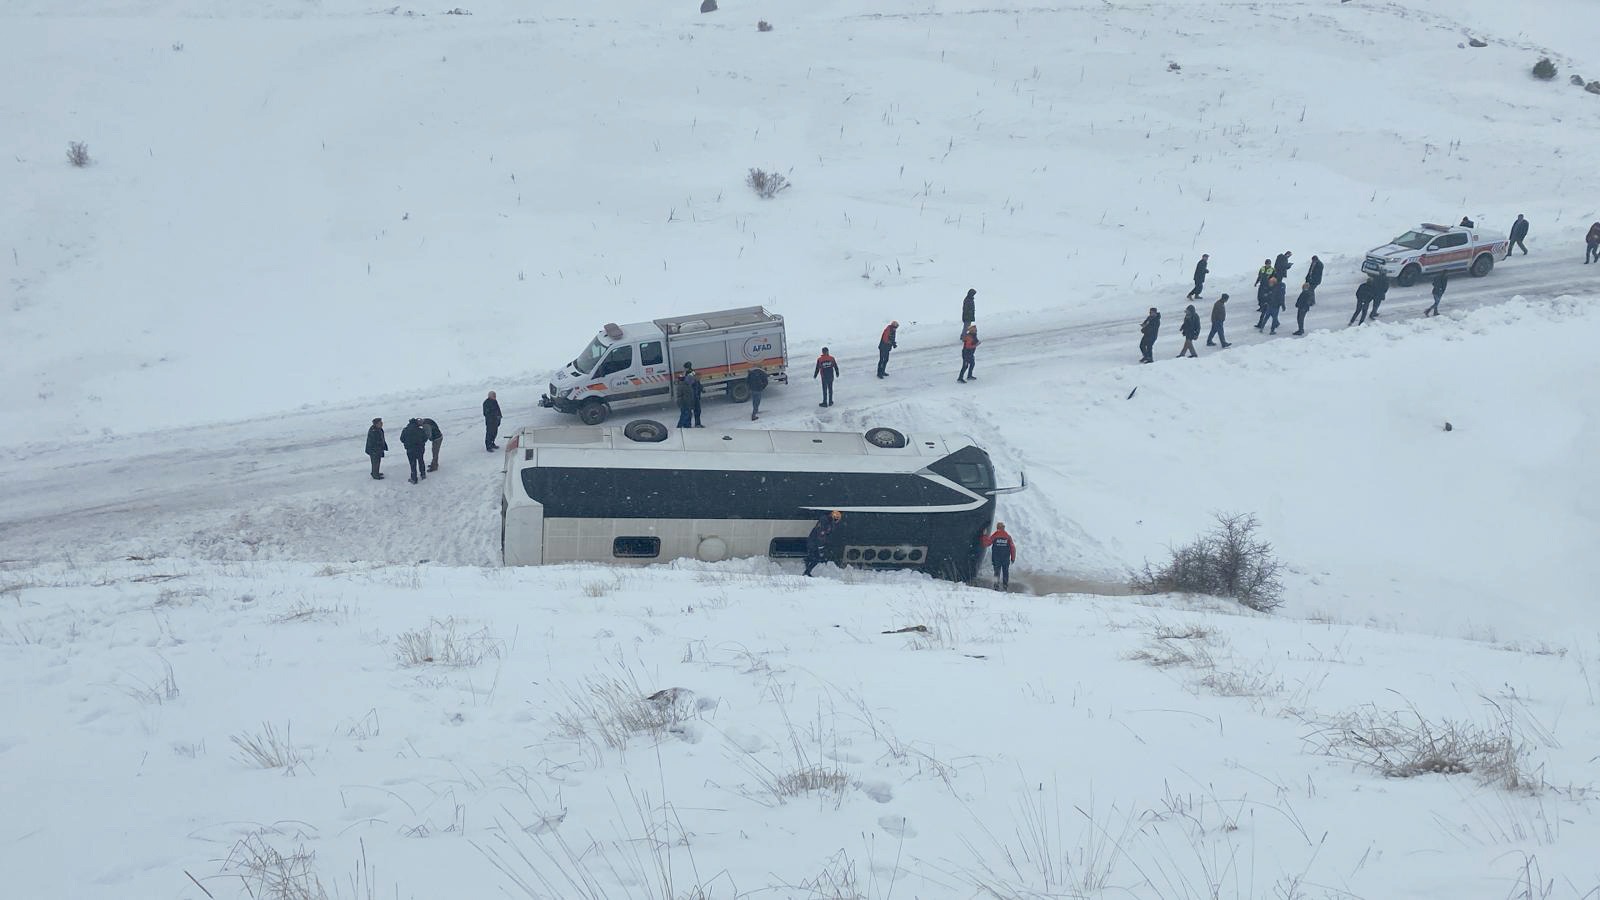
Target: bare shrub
{"x":1544,"y":69}
{"x":766,"y":184}
{"x":614,"y":708}
{"x":305,"y":611}
{"x":763,"y":25}
{"x":269,"y":874}
{"x":442,"y":644}
{"x":269,"y":749}
{"x":157,"y":691}
{"x":1406,"y":744}
{"x":1228,"y":561}
{"x":78,"y":154}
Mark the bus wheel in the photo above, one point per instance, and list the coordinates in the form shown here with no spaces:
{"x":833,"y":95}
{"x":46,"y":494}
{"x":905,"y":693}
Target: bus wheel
{"x":739,"y":392}
{"x":645,"y":431}
{"x":593,"y":412}
{"x":885,"y":437}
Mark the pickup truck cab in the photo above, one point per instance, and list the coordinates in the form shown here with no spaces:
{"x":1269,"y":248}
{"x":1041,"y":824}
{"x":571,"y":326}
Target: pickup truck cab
{"x":1429,"y":249}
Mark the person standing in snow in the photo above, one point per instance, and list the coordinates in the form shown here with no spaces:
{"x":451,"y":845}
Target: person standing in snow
{"x":1271,"y":304}
{"x":1282,"y":265}
{"x":886,"y":342}
{"x":1200,"y":272}
{"x":415,"y":439}
{"x":827,"y":369}
{"x":1519,"y":230}
{"x":1440,"y":281}
{"x":1002,"y":553}
{"x":1148,"y":329}
{"x":757,"y":379}
{"x":1190,"y":329}
{"x":1380,"y":292}
{"x":376,"y":446}
{"x":969,"y":310}
{"x":969,"y":354}
{"x":1592,"y":240}
{"x":491,"y":422}
{"x":1302,"y":305}
{"x":685,"y":394}
{"x":1219,"y":315}
{"x":435,"y":439}
{"x":1467,"y":223}
{"x":1262,"y":274}
{"x":1314,"y":273}
{"x":817,"y":540}
{"x":1364,"y":292}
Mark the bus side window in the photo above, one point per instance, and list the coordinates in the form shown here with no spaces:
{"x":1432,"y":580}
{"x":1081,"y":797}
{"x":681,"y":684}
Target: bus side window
{"x":636,"y":547}
{"x":650,"y":353}
{"x":787,"y":548}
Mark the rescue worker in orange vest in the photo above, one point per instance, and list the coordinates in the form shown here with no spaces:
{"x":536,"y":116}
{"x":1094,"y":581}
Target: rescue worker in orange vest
{"x":885,"y":344}
{"x":827,"y":369}
{"x":1002,"y":553}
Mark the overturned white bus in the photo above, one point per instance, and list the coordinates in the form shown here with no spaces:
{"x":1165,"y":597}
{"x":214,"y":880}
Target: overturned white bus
{"x":644,"y":493}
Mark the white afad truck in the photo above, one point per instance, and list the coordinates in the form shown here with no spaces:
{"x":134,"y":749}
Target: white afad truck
{"x":630,"y":365}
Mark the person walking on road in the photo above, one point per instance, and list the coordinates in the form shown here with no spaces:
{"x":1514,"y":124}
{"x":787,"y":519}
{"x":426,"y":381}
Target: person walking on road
{"x":687,"y":383}
{"x":886,"y":342}
{"x":969,"y":310}
{"x":757,"y":379}
{"x":376,"y":446}
{"x":1262,"y":274}
{"x":1271,"y":304}
{"x":969,"y":354}
{"x":1440,"y":281}
{"x":1201,"y":270}
{"x":1219,"y":316}
{"x":1364,"y":292}
{"x":435,"y":440}
{"x":415,"y":439}
{"x":817,"y":540}
{"x":1282,"y":265}
{"x":1380,"y":292}
{"x":1519,"y":230}
{"x":827,"y":369}
{"x":1190,"y":329}
{"x":1302,"y":305}
{"x":1148,"y":329}
{"x":491,"y":423}
{"x":1314,"y":273}
{"x":1592,"y":241}
{"x":1002,"y":553}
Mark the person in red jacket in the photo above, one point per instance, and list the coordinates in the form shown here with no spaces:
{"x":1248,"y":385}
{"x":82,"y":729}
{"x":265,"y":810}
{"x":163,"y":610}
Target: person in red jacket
{"x":969,"y":351}
{"x":1002,"y":553}
{"x":827,"y":369}
{"x":885,"y":344}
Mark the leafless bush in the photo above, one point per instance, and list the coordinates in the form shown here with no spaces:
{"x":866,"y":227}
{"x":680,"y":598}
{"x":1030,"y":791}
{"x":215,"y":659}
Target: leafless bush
{"x":836,"y":881}
{"x":1544,"y":69}
{"x":1228,"y":561}
{"x":157,"y":691}
{"x":440,"y":644}
{"x":78,"y":154}
{"x":269,"y":874}
{"x":614,"y":708}
{"x":1406,"y":744}
{"x":766,"y":184}
{"x":269,"y":749}
{"x":763,"y":25}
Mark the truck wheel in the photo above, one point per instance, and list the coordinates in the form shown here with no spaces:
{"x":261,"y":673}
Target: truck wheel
{"x":593,"y":412}
{"x":739,"y":392}
{"x":1482,"y":265}
{"x":1409,"y":275}
{"x":885,"y":437}
{"x":645,"y":431}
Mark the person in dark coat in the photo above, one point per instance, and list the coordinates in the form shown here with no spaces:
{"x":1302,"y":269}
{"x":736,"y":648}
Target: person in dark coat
{"x":817,"y":540}
{"x":1302,"y":305}
{"x":1190,"y":329}
{"x":1364,"y":292}
{"x":1271,"y":304}
{"x":1440,"y":282}
{"x":1592,"y":243}
{"x":827,"y":369}
{"x":415,"y":439}
{"x":687,"y":392}
{"x":1380,"y":292}
{"x":1314,"y":273}
{"x":435,"y":439}
{"x":1148,"y":329}
{"x":1219,"y":315}
{"x":1519,"y":230}
{"x":1002,"y":553}
{"x":1201,"y":270}
{"x":491,"y":422}
{"x":969,"y":354}
{"x":1467,"y":223}
{"x":376,"y":446}
{"x":1282,"y":265}
{"x":969,"y":310}
{"x":757,"y":379}
{"x":886,"y":342}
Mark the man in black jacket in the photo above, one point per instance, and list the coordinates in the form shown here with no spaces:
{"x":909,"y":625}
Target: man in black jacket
{"x":1302,"y":305}
{"x":757,"y":380}
{"x":1314,"y":273}
{"x":376,"y":446}
{"x":1282,"y":265}
{"x":817,"y":540}
{"x":687,"y":391}
{"x":1219,"y":315}
{"x":1190,"y":329}
{"x":1148,"y":329}
{"x":1519,"y":230}
{"x":1380,"y":291}
{"x":1271,"y":303}
{"x":1201,"y":270}
{"x":1364,"y":292}
{"x":491,"y":423}
{"x":415,"y":439}
{"x":435,"y":439}
{"x":969,"y":310}
{"x":1440,"y":282}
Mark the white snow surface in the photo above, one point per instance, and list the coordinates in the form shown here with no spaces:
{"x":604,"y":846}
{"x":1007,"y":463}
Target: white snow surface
{"x":301,"y":215}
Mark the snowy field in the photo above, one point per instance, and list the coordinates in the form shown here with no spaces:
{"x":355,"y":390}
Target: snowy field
{"x":233,"y":666}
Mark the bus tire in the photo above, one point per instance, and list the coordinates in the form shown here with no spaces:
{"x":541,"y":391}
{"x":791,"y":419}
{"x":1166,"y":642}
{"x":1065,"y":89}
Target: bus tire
{"x":645,"y":431}
{"x":885,"y":437}
{"x":739,"y":391}
{"x":593,"y":412}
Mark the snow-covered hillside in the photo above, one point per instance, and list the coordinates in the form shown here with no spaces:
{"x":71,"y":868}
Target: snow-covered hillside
{"x":302,"y":215}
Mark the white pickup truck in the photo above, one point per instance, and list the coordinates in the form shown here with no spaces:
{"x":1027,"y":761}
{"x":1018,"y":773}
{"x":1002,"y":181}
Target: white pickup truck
{"x":627,"y":365}
{"x":1429,"y":249}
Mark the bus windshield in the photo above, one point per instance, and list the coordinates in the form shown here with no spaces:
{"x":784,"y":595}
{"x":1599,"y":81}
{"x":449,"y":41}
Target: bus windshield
{"x":591,"y":356}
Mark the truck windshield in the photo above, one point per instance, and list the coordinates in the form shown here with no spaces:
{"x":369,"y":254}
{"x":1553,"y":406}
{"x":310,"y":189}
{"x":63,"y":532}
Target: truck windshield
{"x":590,"y":356}
{"x":1413,"y":240}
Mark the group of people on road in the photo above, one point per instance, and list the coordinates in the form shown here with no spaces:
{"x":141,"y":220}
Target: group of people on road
{"x":422,"y":433}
